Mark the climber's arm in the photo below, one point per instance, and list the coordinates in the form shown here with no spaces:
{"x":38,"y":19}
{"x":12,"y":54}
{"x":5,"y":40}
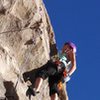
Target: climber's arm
{"x":73,"y":61}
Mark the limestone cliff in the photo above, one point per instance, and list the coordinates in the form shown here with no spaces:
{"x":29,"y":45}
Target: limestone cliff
{"x":26,"y":42}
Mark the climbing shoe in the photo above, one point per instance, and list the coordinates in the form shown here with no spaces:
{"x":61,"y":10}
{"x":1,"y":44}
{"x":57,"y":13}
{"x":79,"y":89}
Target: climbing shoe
{"x":31,"y":91}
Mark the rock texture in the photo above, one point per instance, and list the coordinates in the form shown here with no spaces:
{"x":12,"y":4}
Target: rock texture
{"x":26,"y":42}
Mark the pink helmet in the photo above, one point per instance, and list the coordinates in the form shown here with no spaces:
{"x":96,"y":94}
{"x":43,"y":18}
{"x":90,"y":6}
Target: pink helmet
{"x":72,"y":45}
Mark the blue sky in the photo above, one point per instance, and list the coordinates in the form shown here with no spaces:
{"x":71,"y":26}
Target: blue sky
{"x":79,"y":21}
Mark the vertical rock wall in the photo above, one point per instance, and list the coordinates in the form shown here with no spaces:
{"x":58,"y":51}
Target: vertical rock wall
{"x":26,"y":39}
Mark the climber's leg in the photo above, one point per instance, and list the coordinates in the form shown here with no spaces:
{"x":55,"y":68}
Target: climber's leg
{"x":34,"y":90}
{"x":38,"y":83}
{"x":53,"y":90}
{"x":54,"y":96}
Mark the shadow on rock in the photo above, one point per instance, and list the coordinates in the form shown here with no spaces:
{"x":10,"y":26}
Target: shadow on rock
{"x":10,"y":91}
{"x":29,"y":42}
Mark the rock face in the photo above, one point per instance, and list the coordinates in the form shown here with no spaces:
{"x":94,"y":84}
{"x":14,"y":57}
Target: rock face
{"x":26,"y":42}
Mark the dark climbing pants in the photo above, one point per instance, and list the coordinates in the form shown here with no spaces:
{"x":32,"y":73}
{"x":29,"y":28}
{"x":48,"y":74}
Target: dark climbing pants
{"x":50,"y":71}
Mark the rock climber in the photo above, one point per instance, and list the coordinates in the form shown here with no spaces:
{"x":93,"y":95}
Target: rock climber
{"x":57,"y":72}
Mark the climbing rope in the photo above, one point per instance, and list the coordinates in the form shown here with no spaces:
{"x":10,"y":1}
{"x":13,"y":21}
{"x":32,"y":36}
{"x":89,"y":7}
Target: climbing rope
{"x":14,"y":30}
{"x":23,"y":64}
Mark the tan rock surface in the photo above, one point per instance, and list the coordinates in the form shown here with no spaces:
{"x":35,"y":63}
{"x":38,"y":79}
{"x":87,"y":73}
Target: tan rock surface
{"x":26,"y":39}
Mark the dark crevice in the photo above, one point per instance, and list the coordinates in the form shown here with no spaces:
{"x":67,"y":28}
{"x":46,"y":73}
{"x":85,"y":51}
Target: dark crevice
{"x":36,"y":25}
{"x":29,"y":42}
{"x":2,"y":11}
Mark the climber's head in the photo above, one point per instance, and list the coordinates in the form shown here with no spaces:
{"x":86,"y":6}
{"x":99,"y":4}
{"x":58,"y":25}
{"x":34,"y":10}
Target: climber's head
{"x":69,"y":46}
